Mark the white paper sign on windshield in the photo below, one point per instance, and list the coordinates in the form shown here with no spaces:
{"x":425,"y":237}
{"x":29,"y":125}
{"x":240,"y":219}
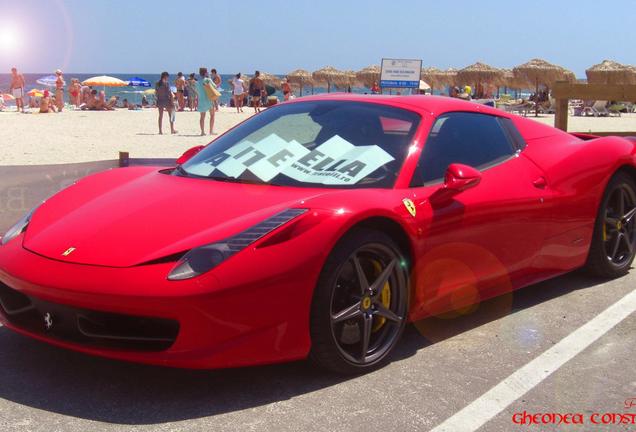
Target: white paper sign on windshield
{"x":335,"y":162}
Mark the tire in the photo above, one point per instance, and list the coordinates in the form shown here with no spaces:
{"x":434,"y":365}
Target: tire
{"x":614,"y":239}
{"x":356,"y":321}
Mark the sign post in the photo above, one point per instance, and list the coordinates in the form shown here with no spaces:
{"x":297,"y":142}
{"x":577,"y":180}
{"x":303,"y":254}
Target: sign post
{"x":400,"y":73}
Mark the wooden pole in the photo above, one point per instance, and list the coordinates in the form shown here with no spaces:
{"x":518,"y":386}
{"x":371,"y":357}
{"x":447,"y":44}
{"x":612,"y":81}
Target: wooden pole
{"x":561,"y":114}
{"x":124,"y":159}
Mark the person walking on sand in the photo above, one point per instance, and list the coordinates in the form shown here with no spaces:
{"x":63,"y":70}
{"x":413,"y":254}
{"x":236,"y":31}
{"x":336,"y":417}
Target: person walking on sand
{"x":17,"y":88}
{"x":180,"y":84}
{"x":205,"y":103}
{"x":216,"y":79}
{"x":286,"y":89}
{"x":165,"y":101}
{"x":59,"y":90}
{"x":237,"y":92}
{"x":256,"y":91}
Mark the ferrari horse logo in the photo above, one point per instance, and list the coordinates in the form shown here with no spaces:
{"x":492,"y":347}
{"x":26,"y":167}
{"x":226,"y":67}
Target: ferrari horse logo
{"x":409,"y":206}
{"x":68,"y":251}
{"x":48,"y":321}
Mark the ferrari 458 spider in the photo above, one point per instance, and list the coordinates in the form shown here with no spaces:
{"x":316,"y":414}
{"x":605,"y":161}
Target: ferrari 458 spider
{"x":317,"y":229}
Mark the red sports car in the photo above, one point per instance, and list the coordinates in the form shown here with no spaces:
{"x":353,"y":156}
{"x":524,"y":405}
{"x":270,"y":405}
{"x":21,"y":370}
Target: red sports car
{"x":317,"y":229}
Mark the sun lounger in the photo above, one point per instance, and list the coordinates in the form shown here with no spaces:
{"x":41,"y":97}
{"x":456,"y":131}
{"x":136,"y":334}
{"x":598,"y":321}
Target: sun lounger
{"x":597,"y":109}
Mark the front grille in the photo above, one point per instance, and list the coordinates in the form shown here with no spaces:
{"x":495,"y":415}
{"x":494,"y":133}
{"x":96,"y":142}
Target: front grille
{"x":84,"y":326}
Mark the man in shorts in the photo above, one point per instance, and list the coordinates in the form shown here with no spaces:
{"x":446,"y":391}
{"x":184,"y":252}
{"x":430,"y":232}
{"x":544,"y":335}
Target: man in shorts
{"x":17,"y":88}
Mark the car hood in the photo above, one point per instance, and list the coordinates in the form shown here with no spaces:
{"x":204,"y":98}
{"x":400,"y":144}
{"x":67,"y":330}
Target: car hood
{"x":129,"y":216}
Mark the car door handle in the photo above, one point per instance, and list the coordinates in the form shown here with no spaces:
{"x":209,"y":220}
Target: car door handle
{"x":540,"y":183}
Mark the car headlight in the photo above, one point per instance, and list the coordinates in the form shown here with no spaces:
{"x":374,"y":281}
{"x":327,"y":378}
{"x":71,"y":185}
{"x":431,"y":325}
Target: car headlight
{"x":205,"y":258}
{"x":17,"y":229}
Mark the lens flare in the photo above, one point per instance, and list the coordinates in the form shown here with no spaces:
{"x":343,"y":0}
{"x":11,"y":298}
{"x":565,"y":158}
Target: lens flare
{"x":8,"y":39}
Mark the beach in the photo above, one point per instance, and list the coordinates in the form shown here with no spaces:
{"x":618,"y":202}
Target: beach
{"x":83,"y":136}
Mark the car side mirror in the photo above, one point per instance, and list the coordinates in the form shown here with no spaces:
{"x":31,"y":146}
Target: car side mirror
{"x":460,"y":177}
{"x":188,"y":154}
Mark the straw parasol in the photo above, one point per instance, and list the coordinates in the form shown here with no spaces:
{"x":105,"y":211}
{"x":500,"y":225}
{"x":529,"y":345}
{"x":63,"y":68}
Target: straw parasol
{"x":509,"y":80}
{"x":437,"y":78}
{"x":300,"y":77}
{"x":329,"y":75}
{"x":369,"y":75}
{"x":271,"y":80}
{"x":539,"y":71}
{"x":348,"y":79}
{"x":479,"y":73}
{"x":611,"y":72}
{"x":104,"y":81}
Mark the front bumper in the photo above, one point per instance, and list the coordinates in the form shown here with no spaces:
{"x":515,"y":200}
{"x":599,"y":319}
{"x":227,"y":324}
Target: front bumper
{"x":253,"y":309}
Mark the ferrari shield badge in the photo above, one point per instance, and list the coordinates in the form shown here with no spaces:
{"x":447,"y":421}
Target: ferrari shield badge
{"x":409,"y":206}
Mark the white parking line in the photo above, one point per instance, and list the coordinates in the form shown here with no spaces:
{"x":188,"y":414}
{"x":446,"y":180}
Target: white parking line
{"x":495,"y":400}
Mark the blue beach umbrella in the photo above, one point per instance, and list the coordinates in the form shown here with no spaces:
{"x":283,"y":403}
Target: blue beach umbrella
{"x":138,"y":82}
{"x":48,"y":81}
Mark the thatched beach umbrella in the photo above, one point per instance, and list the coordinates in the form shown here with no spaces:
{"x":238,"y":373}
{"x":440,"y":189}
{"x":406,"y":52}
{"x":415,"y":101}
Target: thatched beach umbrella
{"x":611,"y":72}
{"x":271,"y":80}
{"x":300,"y":77}
{"x":439,"y":78}
{"x":369,"y":75}
{"x":479,"y":73}
{"x":328,"y":75}
{"x":347,"y":80}
{"x":539,"y":71}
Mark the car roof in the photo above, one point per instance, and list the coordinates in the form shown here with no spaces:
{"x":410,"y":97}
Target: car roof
{"x":421,"y":103}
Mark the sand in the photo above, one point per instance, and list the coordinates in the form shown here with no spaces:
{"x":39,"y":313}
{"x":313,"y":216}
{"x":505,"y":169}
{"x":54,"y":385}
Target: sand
{"x":82,"y":136}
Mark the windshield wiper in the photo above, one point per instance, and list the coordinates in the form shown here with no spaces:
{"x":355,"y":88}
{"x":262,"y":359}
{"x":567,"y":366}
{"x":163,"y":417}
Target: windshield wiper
{"x":238,"y":180}
{"x":180,"y":171}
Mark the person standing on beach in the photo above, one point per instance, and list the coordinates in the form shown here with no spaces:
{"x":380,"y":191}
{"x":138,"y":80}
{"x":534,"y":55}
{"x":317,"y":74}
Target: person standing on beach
{"x":17,"y":88}
{"x":286,"y":89}
{"x":216,"y":79}
{"x":180,"y":84}
{"x":192,"y":92}
{"x":237,"y":92}
{"x":59,"y":90}
{"x":165,"y":101}
{"x":256,"y":91}
{"x":205,"y":103}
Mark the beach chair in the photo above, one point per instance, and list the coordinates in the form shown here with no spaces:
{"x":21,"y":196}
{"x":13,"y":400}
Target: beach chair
{"x":597,"y":109}
{"x":549,"y":109}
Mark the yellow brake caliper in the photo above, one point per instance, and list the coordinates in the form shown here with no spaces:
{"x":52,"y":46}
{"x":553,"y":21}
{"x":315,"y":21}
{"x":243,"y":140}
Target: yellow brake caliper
{"x":385,"y":296}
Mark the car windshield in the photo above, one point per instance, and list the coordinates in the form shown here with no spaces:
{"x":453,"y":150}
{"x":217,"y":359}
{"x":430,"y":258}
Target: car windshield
{"x":314,"y":144}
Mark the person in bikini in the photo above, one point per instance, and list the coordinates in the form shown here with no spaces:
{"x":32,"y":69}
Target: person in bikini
{"x":17,"y":88}
{"x":59,"y":90}
{"x":216,"y":79}
{"x":180,"y":84}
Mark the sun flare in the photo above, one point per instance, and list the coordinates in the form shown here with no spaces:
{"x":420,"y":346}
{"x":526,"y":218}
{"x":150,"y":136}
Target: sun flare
{"x":8,"y":39}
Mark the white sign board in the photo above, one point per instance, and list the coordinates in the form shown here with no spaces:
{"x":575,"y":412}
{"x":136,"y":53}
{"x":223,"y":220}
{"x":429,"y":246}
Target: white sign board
{"x":334,"y":162}
{"x":400,"y":73}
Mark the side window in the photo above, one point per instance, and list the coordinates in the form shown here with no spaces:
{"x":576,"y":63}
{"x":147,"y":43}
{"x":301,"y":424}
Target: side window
{"x":478,"y":140}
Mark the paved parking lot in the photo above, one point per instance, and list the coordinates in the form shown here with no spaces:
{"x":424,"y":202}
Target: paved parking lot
{"x":441,"y":367}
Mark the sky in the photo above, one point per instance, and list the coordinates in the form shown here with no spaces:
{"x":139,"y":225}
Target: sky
{"x":277,"y":36}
